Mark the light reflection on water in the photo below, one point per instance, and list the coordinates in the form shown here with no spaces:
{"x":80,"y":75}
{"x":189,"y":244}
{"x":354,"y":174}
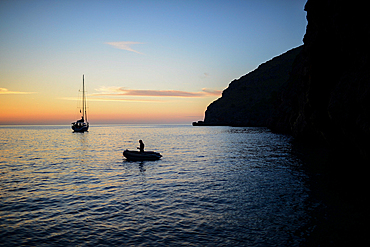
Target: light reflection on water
{"x":214,"y":186}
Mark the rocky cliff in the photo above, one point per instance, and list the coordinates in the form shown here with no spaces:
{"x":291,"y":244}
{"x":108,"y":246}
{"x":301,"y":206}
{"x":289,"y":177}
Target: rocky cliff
{"x":249,"y":101}
{"x":327,"y":97}
{"x":324,"y":96}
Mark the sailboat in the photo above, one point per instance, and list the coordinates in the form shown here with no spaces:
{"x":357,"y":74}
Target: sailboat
{"x":82,"y":125}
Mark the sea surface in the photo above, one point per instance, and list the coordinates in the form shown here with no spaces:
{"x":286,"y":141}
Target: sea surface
{"x":214,"y":186}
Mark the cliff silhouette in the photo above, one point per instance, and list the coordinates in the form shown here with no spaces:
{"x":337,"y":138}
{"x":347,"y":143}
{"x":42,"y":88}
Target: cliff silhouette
{"x":319,"y":92}
{"x":249,"y":100}
{"x":327,"y":97}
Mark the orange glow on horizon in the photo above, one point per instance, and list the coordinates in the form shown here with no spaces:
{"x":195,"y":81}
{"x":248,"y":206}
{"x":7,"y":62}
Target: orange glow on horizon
{"x":101,"y":115}
{"x":62,"y":119}
{"x":42,"y":109}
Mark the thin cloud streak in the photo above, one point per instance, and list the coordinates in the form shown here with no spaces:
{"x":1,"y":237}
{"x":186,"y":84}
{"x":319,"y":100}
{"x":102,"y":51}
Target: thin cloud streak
{"x":121,"y":91}
{"x":124,"y":45}
{"x":212,"y":92}
{"x":93,"y":99}
{"x":6,"y":91}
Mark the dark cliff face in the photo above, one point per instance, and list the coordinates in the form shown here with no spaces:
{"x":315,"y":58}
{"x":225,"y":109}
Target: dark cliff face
{"x":327,"y":97}
{"x":249,"y":100}
{"x":324,"y":96}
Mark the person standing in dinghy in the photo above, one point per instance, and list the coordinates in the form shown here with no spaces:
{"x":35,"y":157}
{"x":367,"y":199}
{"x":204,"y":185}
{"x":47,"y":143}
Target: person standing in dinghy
{"x":141,"y":148}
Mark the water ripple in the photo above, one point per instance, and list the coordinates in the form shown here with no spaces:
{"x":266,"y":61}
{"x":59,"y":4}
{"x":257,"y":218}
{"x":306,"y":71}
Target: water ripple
{"x":216,"y":186}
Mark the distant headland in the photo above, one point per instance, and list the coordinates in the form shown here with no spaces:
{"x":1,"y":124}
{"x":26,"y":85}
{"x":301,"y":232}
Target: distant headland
{"x":249,"y":100}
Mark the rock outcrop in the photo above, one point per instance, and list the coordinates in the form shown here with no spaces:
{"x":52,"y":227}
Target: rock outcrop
{"x":327,"y":97}
{"x":249,"y":100}
{"x":323,"y":97}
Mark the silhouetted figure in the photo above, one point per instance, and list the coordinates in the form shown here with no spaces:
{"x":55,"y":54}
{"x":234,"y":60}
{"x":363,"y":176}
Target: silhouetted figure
{"x":141,"y":148}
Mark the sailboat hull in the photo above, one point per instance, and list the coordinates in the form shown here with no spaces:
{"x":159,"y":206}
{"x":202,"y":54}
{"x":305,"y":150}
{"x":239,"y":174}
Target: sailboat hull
{"x":82,"y":128}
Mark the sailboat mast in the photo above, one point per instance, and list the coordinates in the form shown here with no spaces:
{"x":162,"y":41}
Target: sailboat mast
{"x":83,"y":99}
{"x":85,"y":104}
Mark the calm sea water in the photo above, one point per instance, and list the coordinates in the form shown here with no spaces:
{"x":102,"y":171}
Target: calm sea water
{"x":214,"y":186}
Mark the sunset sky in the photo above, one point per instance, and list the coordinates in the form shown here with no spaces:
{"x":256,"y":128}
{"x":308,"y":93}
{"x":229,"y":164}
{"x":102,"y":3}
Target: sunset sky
{"x":143,"y":61}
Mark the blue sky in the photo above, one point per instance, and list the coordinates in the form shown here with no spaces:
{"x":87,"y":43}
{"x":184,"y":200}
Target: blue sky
{"x":152,"y":46}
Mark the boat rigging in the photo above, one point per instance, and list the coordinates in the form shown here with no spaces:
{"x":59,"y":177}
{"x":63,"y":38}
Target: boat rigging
{"x":82,"y":125}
